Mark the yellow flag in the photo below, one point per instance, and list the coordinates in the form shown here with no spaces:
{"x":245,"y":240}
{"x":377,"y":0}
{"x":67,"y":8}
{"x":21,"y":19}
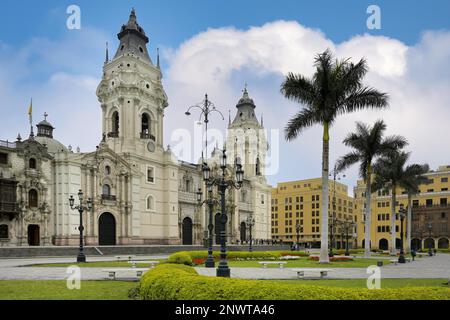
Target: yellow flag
{"x":30,"y":109}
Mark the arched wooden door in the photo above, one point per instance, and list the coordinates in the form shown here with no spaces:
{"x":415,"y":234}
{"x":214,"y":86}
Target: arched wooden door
{"x":107,"y":230}
{"x":187,"y":231}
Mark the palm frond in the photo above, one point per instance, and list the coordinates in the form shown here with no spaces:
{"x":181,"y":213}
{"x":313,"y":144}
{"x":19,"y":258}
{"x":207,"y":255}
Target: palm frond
{"x":302,"y":120}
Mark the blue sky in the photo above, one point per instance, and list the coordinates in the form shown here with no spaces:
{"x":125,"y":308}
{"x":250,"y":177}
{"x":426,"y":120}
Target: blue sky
{"x":60,"y":68}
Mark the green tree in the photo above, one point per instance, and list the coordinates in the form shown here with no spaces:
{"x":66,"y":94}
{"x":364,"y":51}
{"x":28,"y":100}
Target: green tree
{"x":368,"y":144}
{"x":392,"y":173}
{"x":335,"y":88}
{"x":413,"y":177}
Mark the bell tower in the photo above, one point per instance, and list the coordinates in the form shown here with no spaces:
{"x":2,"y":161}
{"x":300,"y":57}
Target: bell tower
{"x":131,"y":95}
{"x":246,"y":138}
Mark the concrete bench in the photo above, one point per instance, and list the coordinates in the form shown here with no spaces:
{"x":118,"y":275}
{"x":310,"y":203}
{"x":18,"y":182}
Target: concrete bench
{"x":394,"y":261}
{"x":150,"y":263}
{"x":137,"y":271}
{"x":265,"y":263}
{"x":125,"y":258}
{"x":322,"y":273}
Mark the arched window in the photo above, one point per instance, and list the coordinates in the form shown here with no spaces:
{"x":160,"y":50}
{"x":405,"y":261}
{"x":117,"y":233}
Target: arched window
{"x":4,"y":231}
{"x":32,"y":163}
{"x":115,"y":122}
{"x":145,"y":123}
{"x":108,"y":170}
{"x":106,"y":190}
{"x":150,"y":203}
{"x":33,"y":198}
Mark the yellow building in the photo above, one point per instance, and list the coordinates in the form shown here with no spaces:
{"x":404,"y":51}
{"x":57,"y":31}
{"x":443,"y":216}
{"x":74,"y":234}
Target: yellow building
{"x":298,"y":203}
{"x":430,"y":213}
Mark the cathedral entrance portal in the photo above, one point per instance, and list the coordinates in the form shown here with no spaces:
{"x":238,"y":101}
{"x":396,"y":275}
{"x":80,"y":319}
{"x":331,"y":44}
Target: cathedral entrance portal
{"x":33,"y":235}
{"x":107,"y":230}
{"x":187,"y":231}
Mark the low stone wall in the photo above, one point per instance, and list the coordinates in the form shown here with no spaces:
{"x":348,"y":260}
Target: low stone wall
{"x":60,"y":251}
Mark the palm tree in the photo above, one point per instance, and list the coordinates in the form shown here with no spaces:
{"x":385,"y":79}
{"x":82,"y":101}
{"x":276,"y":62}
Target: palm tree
{"x":368,"y":144}
{"x":335,"y":88}
{"x":412,"y":179}
{"x":390,"y":173}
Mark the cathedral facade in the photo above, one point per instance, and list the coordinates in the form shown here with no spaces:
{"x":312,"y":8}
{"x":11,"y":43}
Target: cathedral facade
{"x":141,"y":193}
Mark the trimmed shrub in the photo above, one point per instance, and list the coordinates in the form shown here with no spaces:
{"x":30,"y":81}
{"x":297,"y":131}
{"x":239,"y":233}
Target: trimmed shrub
{"x":180,"y":258}
{"x":332,"y":259}
{"x":199,"y":257}
{"x":177,"y":282}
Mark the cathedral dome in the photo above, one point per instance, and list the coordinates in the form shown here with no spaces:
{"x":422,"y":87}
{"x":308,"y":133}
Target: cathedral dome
{"x":53,"y":146}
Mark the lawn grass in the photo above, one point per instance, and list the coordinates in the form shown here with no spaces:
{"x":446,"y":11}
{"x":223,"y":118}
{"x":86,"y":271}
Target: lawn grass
{"x":306,"y":263}
{"x":96,"y":264}
{"x":57,"y":290}
{"x":362,"y":283}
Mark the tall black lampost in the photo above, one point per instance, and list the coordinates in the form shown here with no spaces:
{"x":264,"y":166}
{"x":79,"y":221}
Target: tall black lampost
{"x":402,"y":212}
{"x":211,"y":202}
{"x":335,"y":176}
{"x":250,"y":222}
{"x":297,"y":229}
{"x":349,"y":224}
{"x":430,"y":228}
{"x":207,"y":107}
{"x":224,"y":182}
{"x":81,"y":208}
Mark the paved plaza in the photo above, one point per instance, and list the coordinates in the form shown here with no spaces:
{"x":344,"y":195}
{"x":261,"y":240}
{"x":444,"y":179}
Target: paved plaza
{"x":426,"y":267}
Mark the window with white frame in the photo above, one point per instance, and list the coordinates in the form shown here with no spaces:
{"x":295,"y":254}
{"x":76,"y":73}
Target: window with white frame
{"x":150,"y":174}
{"x":150,"y":203}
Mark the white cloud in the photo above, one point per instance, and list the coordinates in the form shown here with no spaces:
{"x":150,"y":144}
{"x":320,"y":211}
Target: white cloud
{"x":416,"y":77}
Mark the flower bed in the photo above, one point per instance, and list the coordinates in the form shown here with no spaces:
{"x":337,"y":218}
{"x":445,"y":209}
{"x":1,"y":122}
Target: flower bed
{"x":332,"y":259}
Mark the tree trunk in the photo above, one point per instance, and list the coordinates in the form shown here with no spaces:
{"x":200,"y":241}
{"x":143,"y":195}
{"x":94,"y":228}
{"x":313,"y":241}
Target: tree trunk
{"x":408,"y":226}
{"x":393,"y":223}
{"x":368,"y":217}
{"x":324,"y":228}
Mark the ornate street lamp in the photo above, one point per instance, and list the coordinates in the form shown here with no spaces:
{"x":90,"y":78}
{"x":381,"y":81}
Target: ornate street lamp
{"x":348,"y":224}
{"x":223,"y":182}
{"x":250,"y":222}
{"x":207,"y":107}
{"x":297,"y":229}
{"x":335,"y":176}
{"x":402,"y":213}
{"x":211,"y":202}
{"x":81,"y":208}
{"x":430,"y":228}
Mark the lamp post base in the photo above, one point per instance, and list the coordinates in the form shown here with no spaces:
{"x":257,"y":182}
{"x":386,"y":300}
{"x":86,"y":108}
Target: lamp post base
{"x":209,"y":263}
{"x":81,"y":258}
{"x":401,"y":258}
{"x":223,"y":272}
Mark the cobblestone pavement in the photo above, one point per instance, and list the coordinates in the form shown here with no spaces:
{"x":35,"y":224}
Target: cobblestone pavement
{"x":15,"y":269}
{"x":427,"y":267}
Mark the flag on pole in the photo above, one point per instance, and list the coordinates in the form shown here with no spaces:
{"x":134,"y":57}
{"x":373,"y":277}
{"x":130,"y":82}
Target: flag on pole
{"x":30,"y":110}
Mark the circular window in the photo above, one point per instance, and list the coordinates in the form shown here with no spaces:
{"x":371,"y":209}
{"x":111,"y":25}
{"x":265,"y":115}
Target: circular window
{"x":128,"y":65}
{"x":148,"y":86}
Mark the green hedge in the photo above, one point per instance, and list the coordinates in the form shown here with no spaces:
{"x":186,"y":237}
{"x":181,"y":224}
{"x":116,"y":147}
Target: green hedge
{"x":181,"y":257}
{"x":178,"y":282}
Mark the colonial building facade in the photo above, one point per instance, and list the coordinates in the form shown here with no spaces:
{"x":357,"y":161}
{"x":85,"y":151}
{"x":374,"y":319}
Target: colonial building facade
{"x":141,"y":193}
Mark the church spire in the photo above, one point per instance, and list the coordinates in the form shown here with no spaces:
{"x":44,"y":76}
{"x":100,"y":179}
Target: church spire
{"x":157,"y":62}
{"x":133,"y":40}
{"x":107,"y":53}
